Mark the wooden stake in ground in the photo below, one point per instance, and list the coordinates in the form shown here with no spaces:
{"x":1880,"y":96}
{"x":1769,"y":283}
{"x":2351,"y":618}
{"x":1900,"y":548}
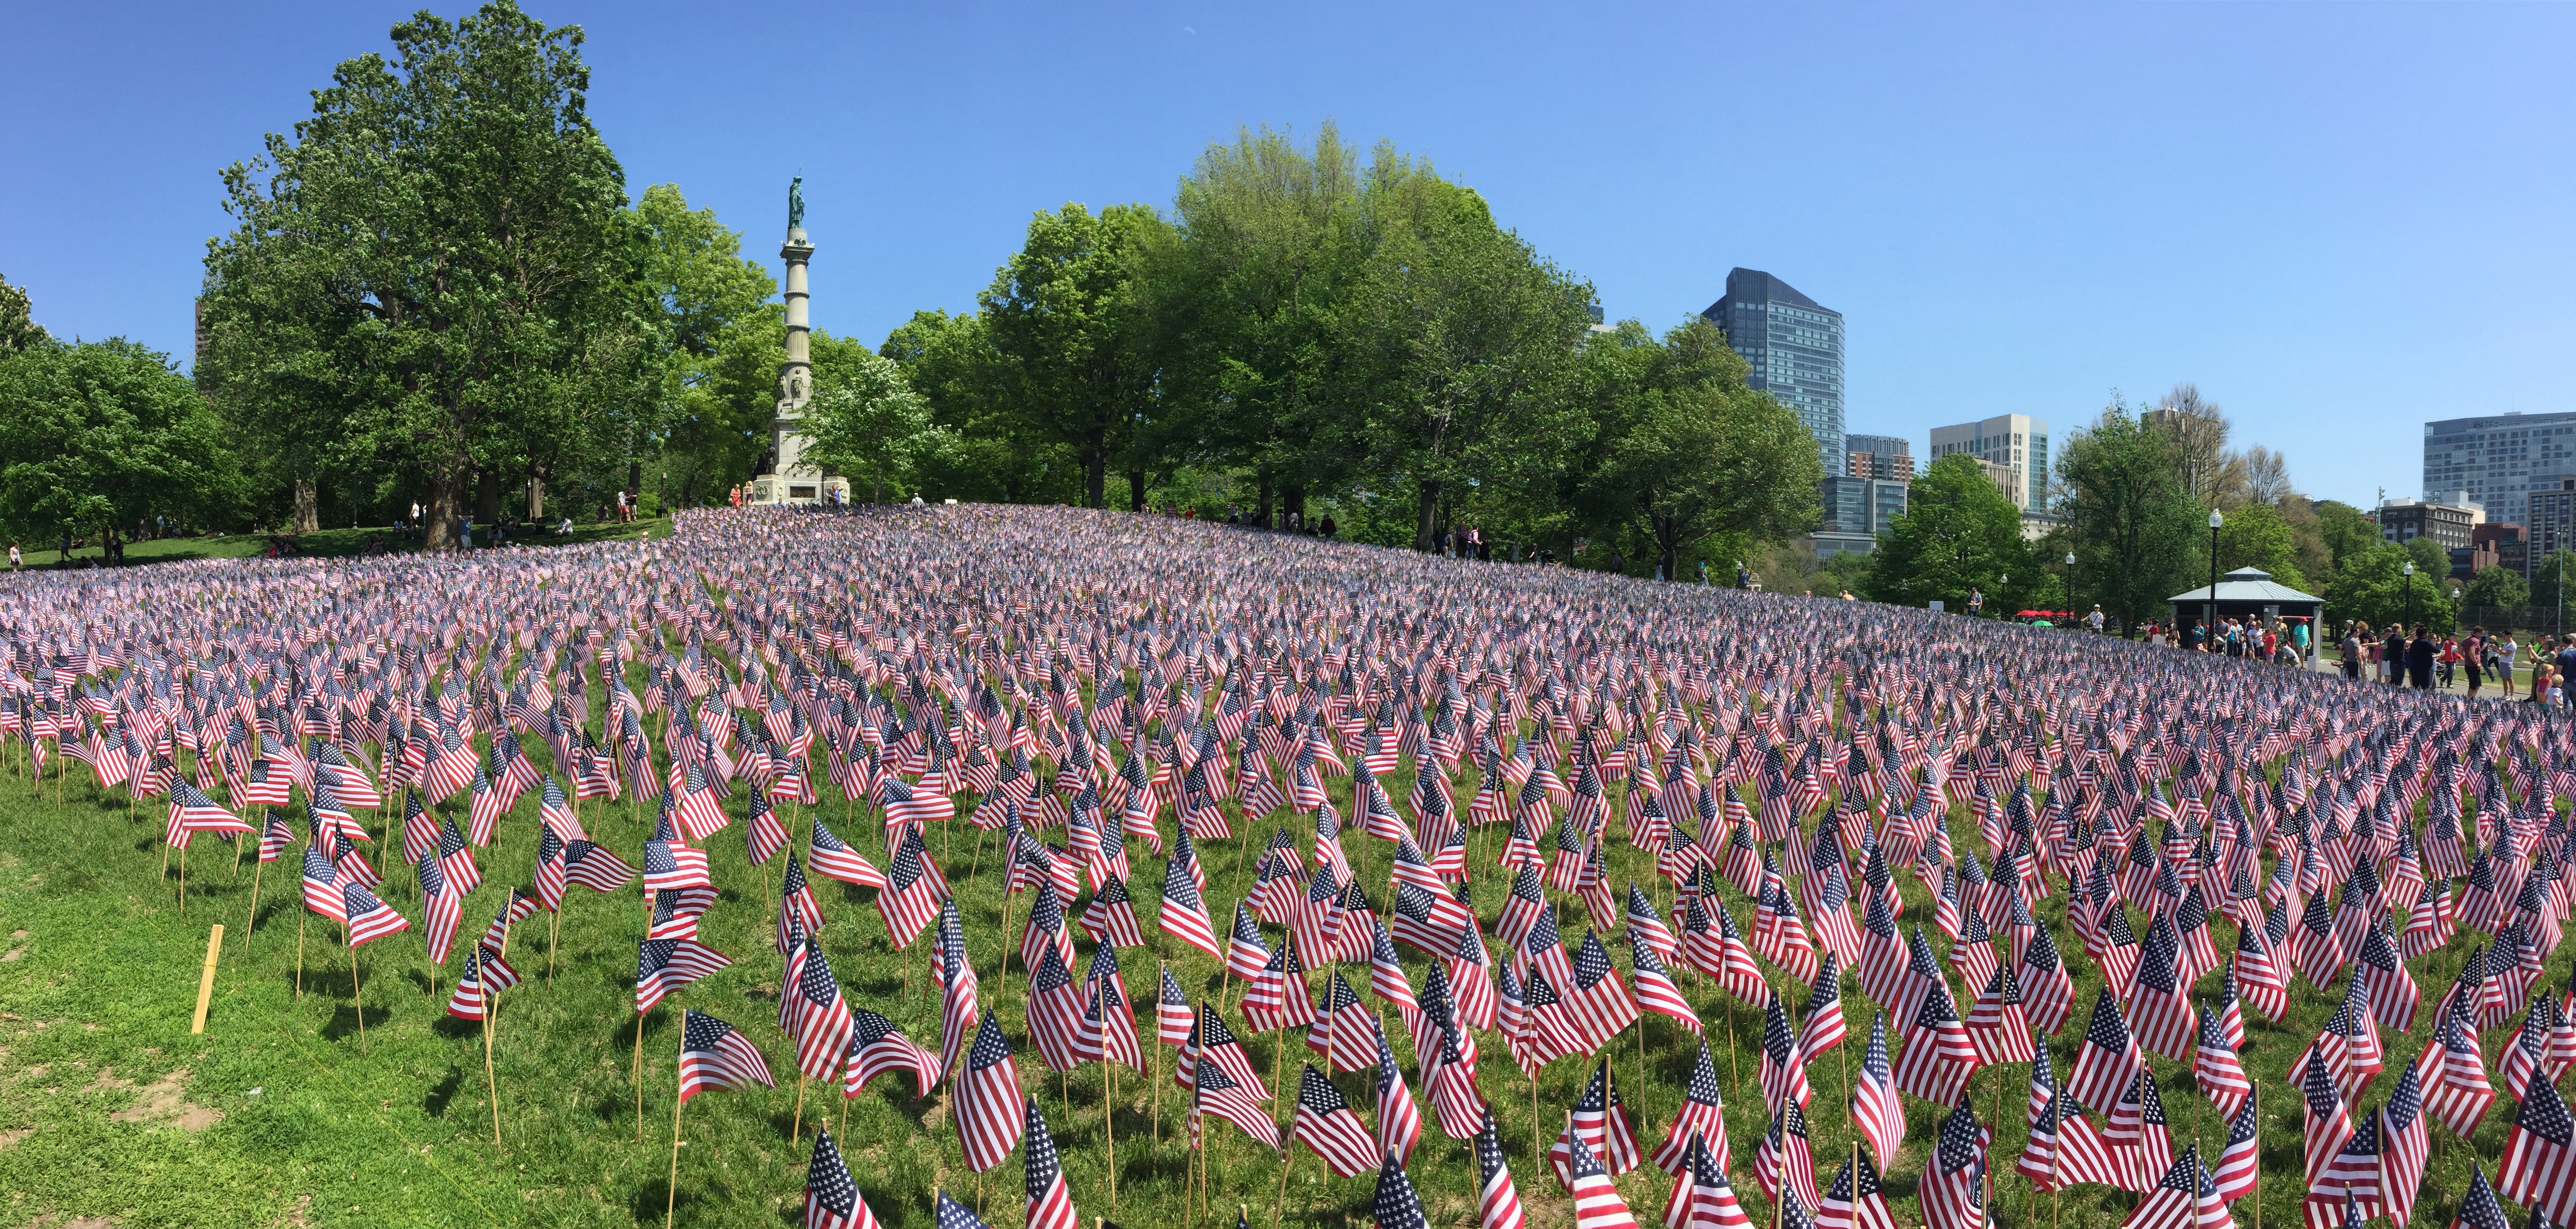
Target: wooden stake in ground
{"x":491,"y":1082}
{"x":357,"y":999}
{"x":206,"y":983}
{"x":1161,"y":970}
{"x":183,"y":881}
{"x":671,"y":1197}
{"x":639,"y":1078}
{"x":798,"y":1126}
{"x":1280,"y":1201}
{"x":1109,"y":1127}
{"x":300,"y":915}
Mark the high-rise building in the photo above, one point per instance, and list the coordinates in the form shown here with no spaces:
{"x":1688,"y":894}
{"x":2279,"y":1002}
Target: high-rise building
{"x":2016,"y":442}
{"x":2551,"y":520}
{"x":1877,"y":456}
{"x":1796,"y":349}
{"x":2499,"y":459}
{"x":1858,"y":510}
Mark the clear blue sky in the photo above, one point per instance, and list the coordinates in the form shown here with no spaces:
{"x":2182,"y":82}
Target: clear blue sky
{"x":2339,"y":220}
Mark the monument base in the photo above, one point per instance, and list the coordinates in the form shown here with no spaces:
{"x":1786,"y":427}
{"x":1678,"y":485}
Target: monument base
{"x":797,"y":489}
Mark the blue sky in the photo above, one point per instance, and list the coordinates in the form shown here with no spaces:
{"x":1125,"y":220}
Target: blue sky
{"x":2339,"y":220}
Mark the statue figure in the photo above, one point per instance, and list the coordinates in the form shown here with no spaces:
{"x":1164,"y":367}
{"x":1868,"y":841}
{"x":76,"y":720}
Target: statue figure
{"x":796,"y":203}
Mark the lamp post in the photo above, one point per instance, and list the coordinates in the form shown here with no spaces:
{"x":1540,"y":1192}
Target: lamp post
{"x":2410,"y":595}
{"x":2209,"y":622}
{"x":2066,"y":585}
{"x":2000,"y":582}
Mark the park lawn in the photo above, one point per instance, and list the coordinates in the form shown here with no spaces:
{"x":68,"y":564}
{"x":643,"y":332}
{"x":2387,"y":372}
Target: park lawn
{"x":326,"y":543}
{"x":279,"y":1114}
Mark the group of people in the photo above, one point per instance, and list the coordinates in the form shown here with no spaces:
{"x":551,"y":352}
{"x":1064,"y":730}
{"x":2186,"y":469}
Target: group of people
{"x":2402,"y":656}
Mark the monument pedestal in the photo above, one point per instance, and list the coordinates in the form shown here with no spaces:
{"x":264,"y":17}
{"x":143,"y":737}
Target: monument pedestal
{"x":791,"y":479}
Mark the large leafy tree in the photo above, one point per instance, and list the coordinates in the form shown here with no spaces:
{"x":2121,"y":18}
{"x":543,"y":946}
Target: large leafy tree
{"x":2256,"y":535}
{"x":2132,"y":524}
{"x":719,"y":381}
{"x":1685,"y":450}
{"x":2344,"y":529}
{"x":18,"y":327}
{"x":437,"y":273}
{"x":1069,"y":319}
{"x":864,"y":419}
{"x":1958,"y":533}
{"x":992,"y":452}
{"x":105,"y":434}
{"x":1466,"y":345}
{"x":2372,"y":585}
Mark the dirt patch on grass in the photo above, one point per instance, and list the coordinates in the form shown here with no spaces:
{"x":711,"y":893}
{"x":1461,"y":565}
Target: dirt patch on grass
{"x":164,"y":1101}
{"x":13,"y":1136}
{"x":54,"y":1220}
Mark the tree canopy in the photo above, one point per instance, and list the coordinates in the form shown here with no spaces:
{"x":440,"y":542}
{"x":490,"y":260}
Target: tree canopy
{"x":1959,"y":533}
{"x":104,"y":433}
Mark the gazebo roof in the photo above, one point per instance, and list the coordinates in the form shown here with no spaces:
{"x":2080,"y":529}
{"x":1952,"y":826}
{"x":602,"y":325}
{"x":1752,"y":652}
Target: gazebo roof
{"x":2248,"y":585}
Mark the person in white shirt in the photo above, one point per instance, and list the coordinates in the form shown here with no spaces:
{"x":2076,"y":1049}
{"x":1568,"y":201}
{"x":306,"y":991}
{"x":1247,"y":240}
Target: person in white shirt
{"x":2094,"y":620}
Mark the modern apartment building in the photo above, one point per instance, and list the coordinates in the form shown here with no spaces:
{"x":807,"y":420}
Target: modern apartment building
{"x":2017,"y":443}
{"x":2551,"y":523}
{"x":2499,"y":460}
{"x":2448,"y":522}
{"x":1877,"y":456}
{"x":1796,"y":348}
{"x":1857,"y":511}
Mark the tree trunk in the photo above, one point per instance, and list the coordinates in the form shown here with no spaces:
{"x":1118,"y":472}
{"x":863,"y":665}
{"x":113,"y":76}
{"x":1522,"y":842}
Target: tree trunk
{"x":635,"y":488}
{"x":1095,"y":478}
{"x":1426,"y":528}
{"x":536,"y":492}
{"x":1295,"y":500}
{"x":439,"y":516}
{"x":1135,"y":490}
{"x":487,"y":496}
{"x":1668,"y":548}
{"x":1261,"y":508}
{"x":308,"y":506}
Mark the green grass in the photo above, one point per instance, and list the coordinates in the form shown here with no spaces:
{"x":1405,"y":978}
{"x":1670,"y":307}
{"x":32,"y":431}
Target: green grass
{"x":99,"y":967}
{"x":325,"y":543}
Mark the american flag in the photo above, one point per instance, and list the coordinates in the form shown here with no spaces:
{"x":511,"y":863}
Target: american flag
{"x":2479,"y":1208}
{"x":958,"y":1009}
{"x":1822,"y":1029}
{"x":1646,"y":928}
{"x":1055,"y":1008}
{"x":988,"y":1100}
{"x":2538,"y":1167}
{"x":913,"y":890}
{"x":1939,"y":1058}
{"x":665,"y":965}
{"x":2108,"y":1059}
{"x":1454,"y":1098}
{"x":2173,"y":1202}
{"x":440,"y":908}
{"x":1184,"y":914}
{"x":1600,"y":1121}
{"x":1784,"y":1157}
{"x":1877,"y":1113}
{"x":1701,"y":1116}
{"x":1110,"y":918}
{"x":2215,"y":1067}
{"x":1498,"y":1204}
{"x":1655,"y":989}
{"x":1050,"y":1200}
{"x":2159,"y":1015}
{"x":1399,"y":1124}
{"x":2048,"y":995}
{"x":1997,"y":1024}
{"x":584,"y":863}
{"x":2403,"y":1146}
{"x":1173,"y":1014}
{"x":322,"y":886}
{"x":798,"y":912}
{"x":2390,"y":990}
{"x":2324,"y":1123}
{"x":1784,"y":1073}
{"x":877,"y":1047}
{"x":1601,"y":1004}
{"x":714,"y":1055}
{"x":1949,"y":1190}
{"x":831,"y":1199}
{"x":483,"y":976}
{"x":367,"y":919}
{"x":2139,"y":1135}
{"x":1855,"y":1200}
{"x":763,"y":836}
{"x":670,"y":864}
{"x":821,"y":1017}
{"x":2239,"y":1163}
{"x":1325,"y":1124}
{"x":1214,"y":1091}
{"x":835,"y":860}
{"x":1597,"y":1204}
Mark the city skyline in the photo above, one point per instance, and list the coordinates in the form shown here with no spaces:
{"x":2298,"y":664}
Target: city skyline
{"x":2005,"y":226}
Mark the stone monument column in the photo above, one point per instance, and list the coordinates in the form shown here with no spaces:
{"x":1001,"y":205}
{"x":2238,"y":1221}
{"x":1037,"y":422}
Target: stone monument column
{"x":789,"y":477}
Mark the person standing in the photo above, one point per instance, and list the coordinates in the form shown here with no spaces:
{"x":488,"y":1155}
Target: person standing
{"x":2392,"y":656}
{"x":2419,"y":659}
{"x":2505,"y":651}
{"x":2352,"y":651}
{"x":1976,"y":601}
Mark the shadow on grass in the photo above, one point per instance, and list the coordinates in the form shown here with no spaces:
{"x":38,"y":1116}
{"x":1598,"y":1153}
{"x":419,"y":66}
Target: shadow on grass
{"x":443,"y":1093}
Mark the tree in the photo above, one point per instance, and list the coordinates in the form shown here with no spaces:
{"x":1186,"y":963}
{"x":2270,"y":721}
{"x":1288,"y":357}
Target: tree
{"x":2431,"y":558}
{"x":718,"y":386}
{"x":105,"y":434}
{"x":1466,"y":341}
{"x":1067,"y":316}
{"x":2195,"y":429}
{"x":437,"y":274}
{"x":994,"y":454}
{"x":18,"y":327}
{"x":865,"y":418}
{"x":2371,"y":585}
{"x":2255,"y":535}
{"x":2496,"y":587}
{"x":2553,"y":580}
{"x":1958,"y":533}
{"x":2134,"y":526}
{"x":1689,"y":451}
{"x":2267,"y":476}
{"x":2345,"y":529}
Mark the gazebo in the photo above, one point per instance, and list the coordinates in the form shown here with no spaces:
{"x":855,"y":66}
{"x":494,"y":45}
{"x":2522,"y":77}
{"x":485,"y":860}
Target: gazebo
{"x":2249,"y":593}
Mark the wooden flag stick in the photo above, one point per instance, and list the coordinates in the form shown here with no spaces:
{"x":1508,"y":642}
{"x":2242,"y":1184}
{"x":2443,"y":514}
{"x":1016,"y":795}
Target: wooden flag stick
{"x":206,"y":983}
{"x":1156,"y":1087}
{"x":1280,"y":1201}
{"x":798,"y":1126}
{"x":300,"y":915}
{"x":183,"y":880}
{"x":357,"y":999}
{"x":639,"y":1077}
{"x":1109,"y":1127}
{"x":554,"y":923}
{"x":491,"y":1082}
{"x":671,"y":1196}
{"x":845,"y":1113}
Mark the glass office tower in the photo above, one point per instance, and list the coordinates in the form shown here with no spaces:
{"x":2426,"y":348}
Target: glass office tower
{"x":1796,"y":349}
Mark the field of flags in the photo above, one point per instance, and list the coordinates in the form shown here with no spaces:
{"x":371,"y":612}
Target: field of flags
{"x":1187,"y":875}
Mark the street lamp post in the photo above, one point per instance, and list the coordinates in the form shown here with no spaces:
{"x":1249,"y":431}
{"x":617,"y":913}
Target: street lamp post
{"x":2410,"y":595}
{"x":2209,"y":622}
{"x":2000,"y":582}
{"x":2066,"y":585}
